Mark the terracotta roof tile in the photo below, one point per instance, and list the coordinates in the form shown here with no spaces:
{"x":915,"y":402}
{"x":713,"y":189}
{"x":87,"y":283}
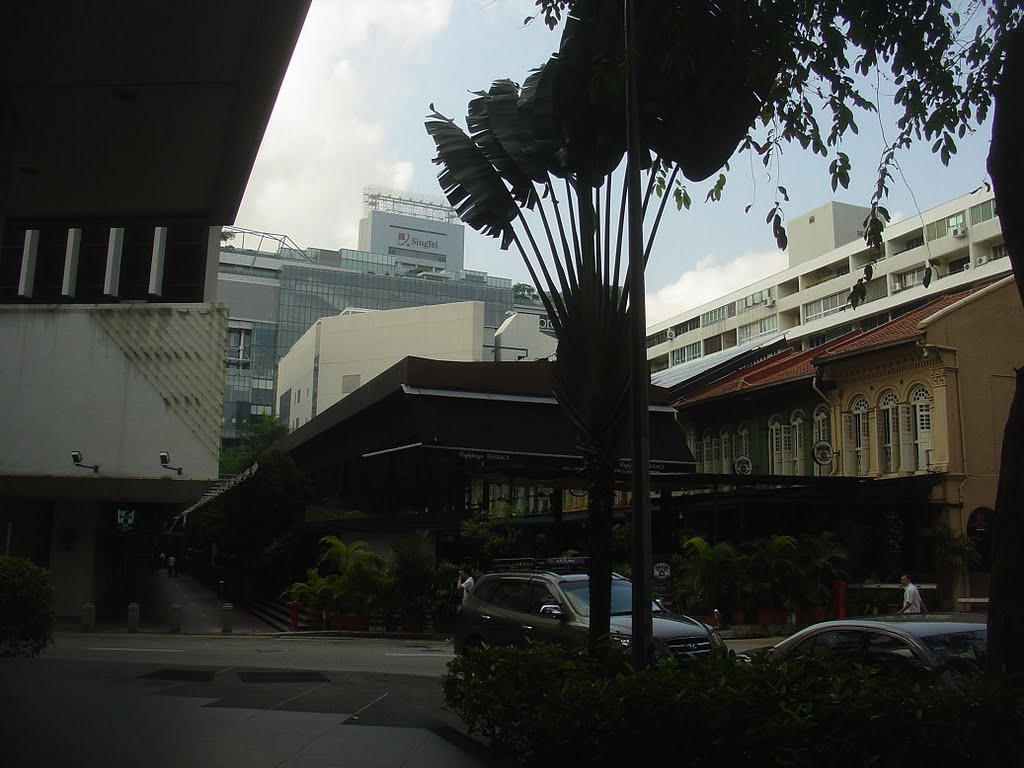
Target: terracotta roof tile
{"x":903,"y":328}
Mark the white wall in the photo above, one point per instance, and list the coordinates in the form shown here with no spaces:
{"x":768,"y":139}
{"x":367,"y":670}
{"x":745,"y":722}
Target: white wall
{"x":295,"y":376}
{"x":520,"y":338}
{"x":119,"y":383}
{"x":369,"y":343}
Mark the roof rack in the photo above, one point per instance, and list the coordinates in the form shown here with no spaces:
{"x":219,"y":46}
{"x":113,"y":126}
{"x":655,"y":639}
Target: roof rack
{"x":540,"y":564}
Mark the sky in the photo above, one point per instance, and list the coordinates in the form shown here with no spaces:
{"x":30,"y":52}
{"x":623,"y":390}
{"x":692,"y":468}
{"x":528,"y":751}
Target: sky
{"x":351,"y":109}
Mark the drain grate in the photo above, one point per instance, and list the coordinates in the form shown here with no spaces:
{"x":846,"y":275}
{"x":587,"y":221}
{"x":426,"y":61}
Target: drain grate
{"x":182,"y":675}
{"x":282,"y":676}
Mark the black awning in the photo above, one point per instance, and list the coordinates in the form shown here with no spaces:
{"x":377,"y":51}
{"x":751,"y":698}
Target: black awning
{"x":537,"y":427}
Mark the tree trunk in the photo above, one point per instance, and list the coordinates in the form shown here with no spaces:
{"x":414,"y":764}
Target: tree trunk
{"x":1006,"y":167}
{"x":599,"y":525}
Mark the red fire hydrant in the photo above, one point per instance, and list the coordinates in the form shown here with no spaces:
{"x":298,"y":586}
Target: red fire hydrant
{"x":293,"y":608}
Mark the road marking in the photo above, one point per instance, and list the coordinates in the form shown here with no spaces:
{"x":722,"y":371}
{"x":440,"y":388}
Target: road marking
{"x":421,"y":655}
{"x":141,"y":650}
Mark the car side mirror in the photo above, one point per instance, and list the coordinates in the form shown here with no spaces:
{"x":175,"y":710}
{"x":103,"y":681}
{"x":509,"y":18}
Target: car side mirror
{"x":553,"y":612}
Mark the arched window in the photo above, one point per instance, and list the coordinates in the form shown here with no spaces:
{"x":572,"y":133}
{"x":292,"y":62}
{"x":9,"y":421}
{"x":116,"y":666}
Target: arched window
{"x":796,"y":422}
{"x":920,"y":428}
{"x":856,"y":438}
{"x":712,"y":452}
{"x":822,"y":431}
{"x":741,"y":446}
{"x":888,"y":433}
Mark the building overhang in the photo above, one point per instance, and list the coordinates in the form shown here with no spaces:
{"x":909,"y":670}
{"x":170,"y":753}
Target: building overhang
{"x":124,"y":109}
{"x":96,"y":488}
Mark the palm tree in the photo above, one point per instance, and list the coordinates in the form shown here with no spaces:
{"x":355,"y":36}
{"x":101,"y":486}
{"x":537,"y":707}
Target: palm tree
{"x":550,"y":149}
{"x":355,"y":573}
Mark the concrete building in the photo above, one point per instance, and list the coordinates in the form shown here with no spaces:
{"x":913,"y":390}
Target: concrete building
{"x":827,"y":254}
{"x":419,"y":232}
{"x":339,"y":354}
{"x":127,"y":135}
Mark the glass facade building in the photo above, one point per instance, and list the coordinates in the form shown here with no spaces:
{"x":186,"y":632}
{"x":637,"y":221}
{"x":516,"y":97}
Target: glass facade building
{"x":275,"y":297}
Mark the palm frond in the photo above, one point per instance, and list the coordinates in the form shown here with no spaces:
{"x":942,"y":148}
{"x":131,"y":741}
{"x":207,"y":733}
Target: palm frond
{"x":470,"y":182}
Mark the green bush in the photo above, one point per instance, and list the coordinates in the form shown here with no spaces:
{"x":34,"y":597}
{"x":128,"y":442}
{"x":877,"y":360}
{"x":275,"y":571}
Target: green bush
{"x":551,"y":708}
{"x":26,"y":608}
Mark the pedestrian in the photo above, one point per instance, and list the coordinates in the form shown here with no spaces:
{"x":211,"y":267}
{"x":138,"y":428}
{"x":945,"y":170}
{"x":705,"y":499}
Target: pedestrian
{"x":171,"y":566}
{"x":911,"y":597}
{"x":464,"y":584}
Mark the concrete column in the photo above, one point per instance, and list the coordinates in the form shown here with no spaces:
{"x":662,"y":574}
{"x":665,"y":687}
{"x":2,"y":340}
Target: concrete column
{"x":88,"y":617}
{"x":225,"y":617}
{"x":176,"y":617}
{"x":133,"y":617}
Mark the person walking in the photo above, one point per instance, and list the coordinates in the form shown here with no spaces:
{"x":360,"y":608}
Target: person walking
{"x":911,"y":597}
{"x":172,"y":569}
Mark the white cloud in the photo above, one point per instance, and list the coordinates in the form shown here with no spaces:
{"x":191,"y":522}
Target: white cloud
{"x":710,"y":280}
{"x":328,"y":135}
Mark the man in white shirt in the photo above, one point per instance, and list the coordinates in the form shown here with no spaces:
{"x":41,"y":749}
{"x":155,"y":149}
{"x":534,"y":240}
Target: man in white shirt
{"x":465,"y":582}
{"x":911,"y":596}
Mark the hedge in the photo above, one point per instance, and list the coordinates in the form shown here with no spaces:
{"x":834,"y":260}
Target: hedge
{"x":548,"y":707}
{"x":26,"y":607}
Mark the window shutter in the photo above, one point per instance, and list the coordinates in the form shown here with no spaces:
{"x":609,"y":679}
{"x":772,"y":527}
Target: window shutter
{"x":708,"y":458}
{"x":787,"y":449}
{"x":727,"y":459}
{"x":865,"y":442}
{"x":849,"y":449}
{"x":799,"y":454}
{"x":908,"y":459}
{"x":775,"y":446}
{"x":881,"y":415}
{"x":924,"y":433}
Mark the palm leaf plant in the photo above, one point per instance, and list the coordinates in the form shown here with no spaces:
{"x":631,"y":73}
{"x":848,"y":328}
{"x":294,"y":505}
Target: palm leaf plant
{"x":538,"y":169}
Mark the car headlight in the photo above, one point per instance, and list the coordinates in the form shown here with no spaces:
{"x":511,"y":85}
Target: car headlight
{"x":624,"y":641}
{"x":717,"y":643}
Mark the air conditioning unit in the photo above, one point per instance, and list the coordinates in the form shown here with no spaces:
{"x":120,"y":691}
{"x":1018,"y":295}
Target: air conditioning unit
{"x":671,"y":333}
{"x":769,"y":302}
{"x":959,"y":232}
{"x":981,"y":260}
{"x":967,"y":266}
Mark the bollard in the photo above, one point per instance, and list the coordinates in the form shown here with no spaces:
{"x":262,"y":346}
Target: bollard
{"x":176,"y":617}
{"x":225,"y":617}
{"x":220,"y":589}
{"x":88,"y":617}
{"x":133,"y":617}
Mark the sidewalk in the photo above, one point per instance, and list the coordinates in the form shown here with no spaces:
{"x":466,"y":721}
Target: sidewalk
{"x":201,"y":612}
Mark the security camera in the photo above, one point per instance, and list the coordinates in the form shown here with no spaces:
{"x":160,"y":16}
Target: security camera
{"x":76,"y":457}
{"x":165,"y":458}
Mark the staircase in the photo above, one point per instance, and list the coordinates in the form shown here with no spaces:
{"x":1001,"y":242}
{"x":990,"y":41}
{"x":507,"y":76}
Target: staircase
{"x":277,"y":614}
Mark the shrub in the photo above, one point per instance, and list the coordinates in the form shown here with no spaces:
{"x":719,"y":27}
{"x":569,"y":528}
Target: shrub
{"x":548,"y":707}
{"x":26,"y":608}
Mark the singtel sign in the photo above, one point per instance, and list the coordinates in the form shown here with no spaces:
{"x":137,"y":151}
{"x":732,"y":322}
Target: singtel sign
{"x":408,"y":240}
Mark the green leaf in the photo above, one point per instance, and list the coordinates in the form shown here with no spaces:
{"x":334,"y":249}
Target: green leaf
{"x":927,"y":276}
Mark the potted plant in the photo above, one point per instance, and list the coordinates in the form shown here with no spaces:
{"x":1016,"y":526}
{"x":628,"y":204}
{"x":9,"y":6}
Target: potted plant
{"x":776,"y":579}
{"x":443,"y":599}
{"x":411,"y":568}
{"x":355,"y":576}
{"x":821,"y":555}
{"x":315,"y":595}
{"x":706,"y":577}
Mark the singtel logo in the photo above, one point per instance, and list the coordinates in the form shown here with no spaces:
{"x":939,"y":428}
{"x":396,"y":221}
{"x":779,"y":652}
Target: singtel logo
{"x":406,"y":239}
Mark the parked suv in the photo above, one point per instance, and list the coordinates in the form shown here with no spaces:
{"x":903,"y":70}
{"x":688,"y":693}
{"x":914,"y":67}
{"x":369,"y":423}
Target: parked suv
{"x":550,"y":600}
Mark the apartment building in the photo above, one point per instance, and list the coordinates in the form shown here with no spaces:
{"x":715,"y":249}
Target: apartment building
{"x":807,"y":302}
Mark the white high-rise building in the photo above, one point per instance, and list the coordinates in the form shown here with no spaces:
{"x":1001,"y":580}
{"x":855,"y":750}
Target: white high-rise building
{"x":961,"y":239}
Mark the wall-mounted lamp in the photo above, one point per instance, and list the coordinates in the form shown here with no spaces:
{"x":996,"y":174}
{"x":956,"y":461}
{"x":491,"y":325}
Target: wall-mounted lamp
{"x":76,"y":458}
{"x":165,"y":462}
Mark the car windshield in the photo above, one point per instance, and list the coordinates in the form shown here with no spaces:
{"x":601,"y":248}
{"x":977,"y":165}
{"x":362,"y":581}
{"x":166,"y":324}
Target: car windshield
{"x":959,"y":649}
{"x":578,"y":593}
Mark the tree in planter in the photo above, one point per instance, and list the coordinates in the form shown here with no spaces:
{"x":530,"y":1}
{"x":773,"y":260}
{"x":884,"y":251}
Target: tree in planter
{"x":776,"y":580}
{"x":355,"y":574}
{"x":823,"y":555}
{"x":316,"y":594}
{"x":411,"y":568}
{"x":954,"y":551}
{"x":706,"y":576}
{"x":26,"y":607}
{"x":443,"y":599}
